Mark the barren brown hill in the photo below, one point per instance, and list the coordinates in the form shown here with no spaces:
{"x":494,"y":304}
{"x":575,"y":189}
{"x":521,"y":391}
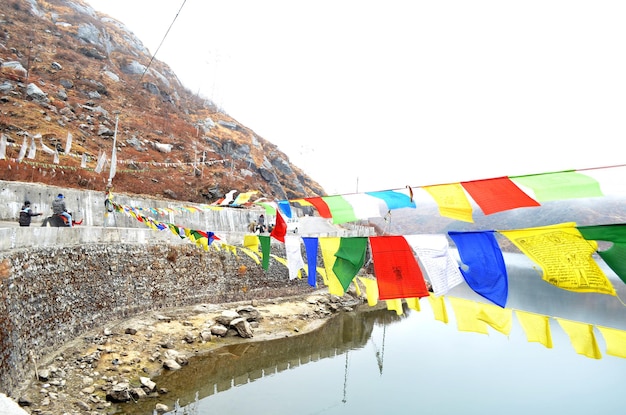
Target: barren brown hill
{"x":66,"y":69}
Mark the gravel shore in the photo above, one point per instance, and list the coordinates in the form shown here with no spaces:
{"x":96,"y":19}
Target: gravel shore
{"x":99,"y":369}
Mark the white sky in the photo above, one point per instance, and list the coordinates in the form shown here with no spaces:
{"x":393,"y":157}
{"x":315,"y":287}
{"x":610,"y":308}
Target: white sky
{"x":385,"y":94}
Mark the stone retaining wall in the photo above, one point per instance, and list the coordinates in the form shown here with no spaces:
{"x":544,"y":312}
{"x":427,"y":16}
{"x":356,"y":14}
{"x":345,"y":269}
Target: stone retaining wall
{"x":50,"y":295}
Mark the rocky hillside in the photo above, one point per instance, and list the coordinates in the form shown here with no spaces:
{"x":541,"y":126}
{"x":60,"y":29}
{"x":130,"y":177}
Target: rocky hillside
{"x":67,"y":70}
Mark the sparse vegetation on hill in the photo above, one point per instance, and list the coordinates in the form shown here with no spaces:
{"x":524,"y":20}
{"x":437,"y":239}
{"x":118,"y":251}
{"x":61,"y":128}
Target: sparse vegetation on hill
{"x":68,"y":69}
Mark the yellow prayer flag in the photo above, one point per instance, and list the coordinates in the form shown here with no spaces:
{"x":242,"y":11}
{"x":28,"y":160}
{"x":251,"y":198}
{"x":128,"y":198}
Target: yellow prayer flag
{"x":251,"y":242}
{"x":564,"y":256}
{"x":329,"y":247}
{"x":466,"y":312}
{"x":371,"y":290}
{"x":283,"y":261}
{"x":439,"y":308}
{"x":615,"y":341}
{"x":497,"y":317}
{"x":452,"y":201}
{"x":413,"y":303}
{"x":395,"y":305}
{"x":582,"y":337}
{"x":536,"y":327}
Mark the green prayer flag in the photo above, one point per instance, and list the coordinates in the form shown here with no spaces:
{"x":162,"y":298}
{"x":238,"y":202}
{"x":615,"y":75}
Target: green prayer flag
{"x":265,"y":250}
{"x":340,"y":210}
{"x":615,"y":256}
{"x":560,"y":185}
{"x":350,"y":259}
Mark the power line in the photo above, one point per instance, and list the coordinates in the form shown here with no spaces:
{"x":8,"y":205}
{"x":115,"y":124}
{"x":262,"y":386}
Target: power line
{"x":161,"y":44}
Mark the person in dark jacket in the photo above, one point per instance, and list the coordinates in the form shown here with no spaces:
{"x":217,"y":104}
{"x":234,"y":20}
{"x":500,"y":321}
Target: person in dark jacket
{"x":26,"y":214}
{"x":58,"y":208}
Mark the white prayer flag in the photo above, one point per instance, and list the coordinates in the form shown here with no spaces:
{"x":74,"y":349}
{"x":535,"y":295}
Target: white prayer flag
{"x":3,"y":147}
{"x":101,"y":160}
{"x":83,"y":161}
{"x":68,"y":143}
{"x":32,"y":152}
{"x":20,"y":157}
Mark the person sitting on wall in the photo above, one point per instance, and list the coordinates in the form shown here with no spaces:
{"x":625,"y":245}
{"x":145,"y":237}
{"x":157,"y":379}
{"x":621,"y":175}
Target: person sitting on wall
{"x":58,"y":208}
{"x":26,"y":214}
{"x":252,"y":227}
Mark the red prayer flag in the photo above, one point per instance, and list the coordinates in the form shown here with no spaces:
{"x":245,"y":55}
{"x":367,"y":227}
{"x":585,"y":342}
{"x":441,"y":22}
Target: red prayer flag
{"x":280,"y":230}
{"x":497,"y":195}
{"x":321,"y":206}
{"x":397,"y":273}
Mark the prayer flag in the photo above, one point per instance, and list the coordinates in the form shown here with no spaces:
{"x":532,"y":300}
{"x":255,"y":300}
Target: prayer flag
{"x":582,"y":337}
{"x":251,"y":242}
{"x":499,"y":318}
{"x":365,"y":206}
{"x":497,"y":195}
{"x":280,"y":229}
{"x":615,"y":256}
{"x":397,"y":273}
{"x":3,"y":146}
{"x":439,"y":308}
{"x":483,"y":265}
{"x":320,"y":205}
{"x":371,"y":290}
{"x":265,"y":251}
{"x":395,"y":200}
{"x":340,"y":210}
{"x":413,"y":303}
{"x":68,"y":143}
{"x":285,"y":207}
{"x":615,"y":341}
{"x":243,"y":198}
{"x":310,"y":246}
{"x":452,"y":201}
{"x":294,"y":255}
{"x":350,"y":259}
{"x":560,"y":186}
{"x":536,"y":327}
{"x":466,"y":312}
{"x":23,"y":149}
{"x":395,"y":305}
{"x":564,"y":256}
{"x":441,"y":268}
{"x":329,"y":246}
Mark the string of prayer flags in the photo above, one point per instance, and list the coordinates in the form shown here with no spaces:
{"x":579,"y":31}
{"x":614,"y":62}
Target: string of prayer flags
{"x":435,"y":256}
{"x":615,"y":256}
{"x":497,"y":195}
{"x":310,"y":247}
{"x":451,"y":201}
{"x":582,"y":337}
{"x":397,"y":272}
{"x":560,"y":186}
{"x":536,"y":327}
{"x":350,"y":258}
{"x":483,"y":265}
{"x":564,"y":256}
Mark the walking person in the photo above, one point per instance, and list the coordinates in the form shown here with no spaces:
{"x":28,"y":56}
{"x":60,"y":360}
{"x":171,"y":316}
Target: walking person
{"x":26,"y":214}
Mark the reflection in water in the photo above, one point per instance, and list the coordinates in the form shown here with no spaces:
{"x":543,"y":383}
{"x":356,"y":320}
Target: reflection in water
{"x":235,"y":365}
{"x":375,"y":361}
